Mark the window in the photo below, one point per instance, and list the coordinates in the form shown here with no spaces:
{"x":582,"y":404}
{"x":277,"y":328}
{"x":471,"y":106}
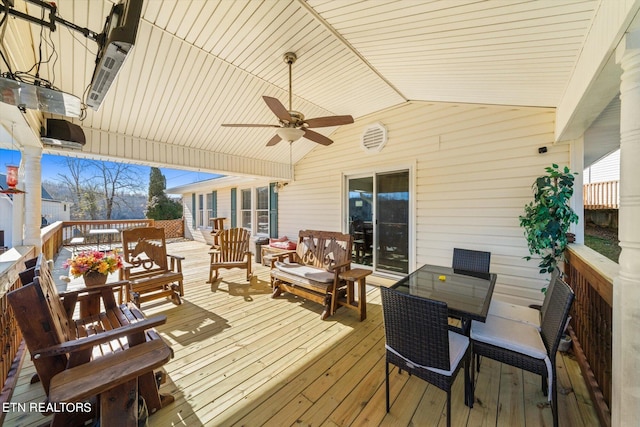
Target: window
{"x":245,"y":208}
{"x":262,"y":210}
{"x":254,"y":210}
{"x":201,"y":222}
{"x":210,"y":213}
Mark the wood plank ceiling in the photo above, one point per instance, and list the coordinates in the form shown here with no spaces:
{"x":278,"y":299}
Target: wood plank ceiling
{"x":200,"y":63}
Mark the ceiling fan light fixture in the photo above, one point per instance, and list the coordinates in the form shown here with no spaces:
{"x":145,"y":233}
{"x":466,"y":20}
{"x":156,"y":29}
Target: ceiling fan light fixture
{"x":290,"y":134}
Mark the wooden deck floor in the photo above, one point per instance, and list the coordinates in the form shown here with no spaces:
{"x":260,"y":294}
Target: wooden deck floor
{"x":244,"y":359}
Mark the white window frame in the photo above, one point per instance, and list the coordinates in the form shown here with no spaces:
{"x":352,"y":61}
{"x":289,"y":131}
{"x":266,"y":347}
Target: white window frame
{"x":208,"y":201}
{"x":200,"y":217}
{"x":256,"y":210}
{"x":253,"y":209}
{"x":243,"y":210}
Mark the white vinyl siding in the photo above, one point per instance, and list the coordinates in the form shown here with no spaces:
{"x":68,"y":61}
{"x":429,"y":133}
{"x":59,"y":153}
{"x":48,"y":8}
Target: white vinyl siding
{"x":606,"y":169}
{"x":474,"y":166}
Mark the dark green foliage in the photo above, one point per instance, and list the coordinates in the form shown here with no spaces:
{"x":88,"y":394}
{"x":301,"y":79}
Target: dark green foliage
{"x":547,"y":219}
{"x":160,"y":206}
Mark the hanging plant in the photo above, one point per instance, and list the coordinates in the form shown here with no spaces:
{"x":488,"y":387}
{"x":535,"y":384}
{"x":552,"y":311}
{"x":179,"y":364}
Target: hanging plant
{"x":548,"y":217}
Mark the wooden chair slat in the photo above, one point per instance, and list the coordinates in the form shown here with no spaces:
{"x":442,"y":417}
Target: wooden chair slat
{"x":232,"y":251}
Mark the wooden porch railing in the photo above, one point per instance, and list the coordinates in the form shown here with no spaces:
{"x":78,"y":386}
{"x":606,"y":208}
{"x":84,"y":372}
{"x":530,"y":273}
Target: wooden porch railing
{"x":591,"y":322}
{"x":11,"y":347}
{"x":601,"y":195}
{"x":73,"y":229}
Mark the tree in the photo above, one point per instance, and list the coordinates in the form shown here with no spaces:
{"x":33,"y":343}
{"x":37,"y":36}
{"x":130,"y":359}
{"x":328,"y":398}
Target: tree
{"x":116,"y":180}
{"x":159,"y":205}
{"x":100,"y":190}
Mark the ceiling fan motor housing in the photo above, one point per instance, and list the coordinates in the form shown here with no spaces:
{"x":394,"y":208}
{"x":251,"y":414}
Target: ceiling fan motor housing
{"x":289,"y":58}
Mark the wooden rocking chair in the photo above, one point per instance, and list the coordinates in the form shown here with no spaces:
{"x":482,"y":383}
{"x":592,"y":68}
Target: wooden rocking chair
{"x":232,"y":251}
{"x":151,"y":272}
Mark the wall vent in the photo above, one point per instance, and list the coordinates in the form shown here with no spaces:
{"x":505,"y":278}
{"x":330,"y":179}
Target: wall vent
{"x":374,"y":137}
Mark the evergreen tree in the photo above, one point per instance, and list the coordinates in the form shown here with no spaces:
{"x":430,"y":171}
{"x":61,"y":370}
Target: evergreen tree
{"x":159,"y":205}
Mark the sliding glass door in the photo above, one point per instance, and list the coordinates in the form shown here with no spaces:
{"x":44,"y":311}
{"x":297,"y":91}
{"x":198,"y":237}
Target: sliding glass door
{"x":378,"y":219}
{"x":392,"y":222}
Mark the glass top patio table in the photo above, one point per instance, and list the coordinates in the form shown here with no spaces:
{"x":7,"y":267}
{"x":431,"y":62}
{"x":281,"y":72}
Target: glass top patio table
{"x":467,"y":293}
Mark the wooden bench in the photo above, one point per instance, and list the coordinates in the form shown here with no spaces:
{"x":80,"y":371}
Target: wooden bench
{"x":314,"y":270}
{"x":151,"y":272}
{"x":83,"y":357}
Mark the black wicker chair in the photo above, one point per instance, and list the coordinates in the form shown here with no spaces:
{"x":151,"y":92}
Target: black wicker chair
{"x":470,"y":260}
{"x":417,"y":341}
{"x":523,"y":346}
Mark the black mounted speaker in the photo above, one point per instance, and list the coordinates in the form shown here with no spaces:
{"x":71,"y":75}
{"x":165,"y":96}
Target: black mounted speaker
{"x":61,"y":133}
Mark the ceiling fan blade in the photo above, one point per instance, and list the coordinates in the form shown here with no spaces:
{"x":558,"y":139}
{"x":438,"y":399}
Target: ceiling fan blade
{"x":319,"y":122}
{"x":247,"y":125}
{"x":278,"y":109}
{"x":273,"y":141}
{"x":317,"y":137}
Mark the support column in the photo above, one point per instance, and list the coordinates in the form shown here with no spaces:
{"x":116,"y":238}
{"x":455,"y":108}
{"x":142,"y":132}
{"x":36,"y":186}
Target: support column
{"x":577,"y":200}
{"x":31,"y":165}
{"x":625,"y":410}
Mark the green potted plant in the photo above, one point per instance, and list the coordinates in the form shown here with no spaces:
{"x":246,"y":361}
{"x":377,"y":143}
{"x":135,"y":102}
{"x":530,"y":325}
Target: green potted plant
{"x":548,"y":217}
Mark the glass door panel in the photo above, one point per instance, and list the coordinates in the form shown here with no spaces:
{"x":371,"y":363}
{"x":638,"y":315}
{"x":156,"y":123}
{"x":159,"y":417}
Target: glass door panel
{"x":360,"y":219}
{"x":392,"y":222}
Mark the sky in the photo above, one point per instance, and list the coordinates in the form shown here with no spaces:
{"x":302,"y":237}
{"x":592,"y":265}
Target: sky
{"x":52,"y":166}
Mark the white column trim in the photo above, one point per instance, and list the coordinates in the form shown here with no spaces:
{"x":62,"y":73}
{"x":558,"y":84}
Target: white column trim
{"x":31,"y":165}
{"x":626,"y":286}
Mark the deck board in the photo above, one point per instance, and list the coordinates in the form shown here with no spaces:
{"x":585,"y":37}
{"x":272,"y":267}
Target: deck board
{"x":244,"y":359}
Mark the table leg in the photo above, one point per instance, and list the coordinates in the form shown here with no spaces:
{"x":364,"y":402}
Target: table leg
{"x":465,"y":325}
{"x":362,"y":298}
{"x":349,"y":292}
{"x":119,"y":406}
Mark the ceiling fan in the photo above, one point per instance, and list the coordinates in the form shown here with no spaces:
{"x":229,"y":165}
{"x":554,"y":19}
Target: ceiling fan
{"x":293,"y":125}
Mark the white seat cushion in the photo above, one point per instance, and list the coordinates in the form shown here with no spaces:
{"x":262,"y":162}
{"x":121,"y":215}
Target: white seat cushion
{"x":458,"y":345}
{"x":515,"y":312}
{"x":509,"y":334}
{"x":512,"y":335}
{"x":305,"y":271}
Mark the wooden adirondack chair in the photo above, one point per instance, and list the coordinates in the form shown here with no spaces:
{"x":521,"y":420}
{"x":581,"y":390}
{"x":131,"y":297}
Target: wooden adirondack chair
{"x":111,"y":354}
{"x":232,"y":251}
{"x":151,"y":271}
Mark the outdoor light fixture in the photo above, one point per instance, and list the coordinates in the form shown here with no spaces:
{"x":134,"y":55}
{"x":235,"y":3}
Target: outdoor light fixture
{"x":290,"y":134}
{"x":279,"y":186}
